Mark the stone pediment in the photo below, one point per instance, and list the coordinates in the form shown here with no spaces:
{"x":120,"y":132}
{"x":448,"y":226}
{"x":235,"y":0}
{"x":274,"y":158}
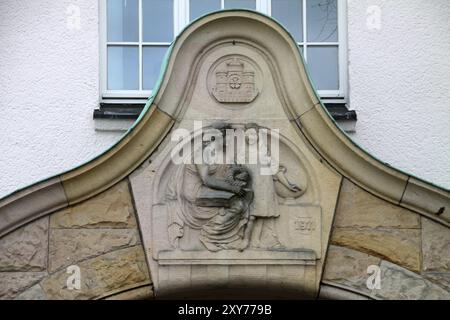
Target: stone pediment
{"x":226,"y":224}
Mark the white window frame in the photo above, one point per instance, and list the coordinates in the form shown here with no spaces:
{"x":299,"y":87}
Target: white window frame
{"x":341,"y":93}
{"x":181,"y":19}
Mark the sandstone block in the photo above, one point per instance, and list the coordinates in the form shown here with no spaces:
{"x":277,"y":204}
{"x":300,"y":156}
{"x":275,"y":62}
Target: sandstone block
{"x":101,"y":276}
{"x":26,"y":248}
{"x":440,"y":279}
{"x":400,"y":284}
{"x":12,"y":284}
{"x":111,"y":209}
{"x":349,"y":267}
{"x":34,"y":293}
{"x":435,"y":246}
{"x":142,"y":293}
{"x":401,"y":246}
{"x":358,"y":208}
{"x":67,"y":247}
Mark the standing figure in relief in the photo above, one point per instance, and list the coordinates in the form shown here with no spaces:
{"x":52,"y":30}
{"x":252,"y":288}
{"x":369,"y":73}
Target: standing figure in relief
{"x":264,"y":172}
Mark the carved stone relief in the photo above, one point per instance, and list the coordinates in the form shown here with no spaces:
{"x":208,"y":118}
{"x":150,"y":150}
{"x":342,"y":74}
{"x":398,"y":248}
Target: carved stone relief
{"x":232,"y":215}
{"x":226,"y":225}
{"x":234,"y":79}
{"x":220,"y":203}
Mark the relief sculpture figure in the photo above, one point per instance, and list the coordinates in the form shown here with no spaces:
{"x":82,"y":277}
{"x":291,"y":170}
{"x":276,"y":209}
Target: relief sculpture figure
{"x":220,"y":203}
{"x":266,"y":199}
{"x":213,"y":199}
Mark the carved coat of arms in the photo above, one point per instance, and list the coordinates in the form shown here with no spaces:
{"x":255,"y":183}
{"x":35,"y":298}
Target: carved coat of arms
{"x":235,"y":82}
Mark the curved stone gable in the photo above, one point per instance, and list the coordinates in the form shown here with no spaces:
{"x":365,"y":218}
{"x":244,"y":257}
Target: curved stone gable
{"x":238,"y":68}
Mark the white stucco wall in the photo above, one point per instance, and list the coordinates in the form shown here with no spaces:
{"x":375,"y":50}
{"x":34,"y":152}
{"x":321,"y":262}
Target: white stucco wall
{"x":400,"y":84}
{"x":49,"y":80}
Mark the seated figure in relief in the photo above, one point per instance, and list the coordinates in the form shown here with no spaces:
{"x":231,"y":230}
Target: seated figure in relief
{"x":212,"y":199}
{"x":222,"y":201}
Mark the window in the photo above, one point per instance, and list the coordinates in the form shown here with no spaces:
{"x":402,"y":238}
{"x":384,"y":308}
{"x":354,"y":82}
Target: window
{"x":137,"y":33}
{"x":315,"y":26}
{"x":197,"y":8}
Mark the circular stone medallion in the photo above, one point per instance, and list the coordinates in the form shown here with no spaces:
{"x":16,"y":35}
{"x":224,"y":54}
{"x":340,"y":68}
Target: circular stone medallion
{"x":234,"y":79}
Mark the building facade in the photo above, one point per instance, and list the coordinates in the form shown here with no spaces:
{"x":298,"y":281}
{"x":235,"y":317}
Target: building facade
{"x":289,"y":207}
{"x":394,"y":74}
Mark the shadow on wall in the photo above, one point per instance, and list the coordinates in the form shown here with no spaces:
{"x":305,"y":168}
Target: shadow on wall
{"x":242,"y":292}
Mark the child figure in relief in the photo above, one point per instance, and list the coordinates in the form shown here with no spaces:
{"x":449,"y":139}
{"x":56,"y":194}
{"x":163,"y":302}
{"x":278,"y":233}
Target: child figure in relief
{"x":264,"y":170}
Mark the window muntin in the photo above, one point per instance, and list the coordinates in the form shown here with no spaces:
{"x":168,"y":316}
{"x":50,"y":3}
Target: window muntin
{"x":140,"y":31}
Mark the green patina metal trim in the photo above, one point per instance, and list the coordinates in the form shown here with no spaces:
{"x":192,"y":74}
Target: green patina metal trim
{"x":158,"y":86}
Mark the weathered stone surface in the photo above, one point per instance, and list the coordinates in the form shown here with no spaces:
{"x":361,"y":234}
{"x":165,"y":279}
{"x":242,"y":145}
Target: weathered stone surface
{"x":101,"y":276}
{"x":435,"y":246}
{"x":349,"y":267}
{"x":401,"y":246}
{"x":26,"y":248}
{"x":336,"y":293}
{"x":142,"y":293}
{"x":14,"y":283}
{"x":400,"y":284}
{"x":440,"y":279}
{"x":34,"y":293}
{"x":358,"y":208}
{"x":111,"y":209}
{"x":67,"y":247}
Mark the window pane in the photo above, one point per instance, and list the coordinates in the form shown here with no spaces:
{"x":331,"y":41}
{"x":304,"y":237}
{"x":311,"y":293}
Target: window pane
{"x":324,"y":66}
{"x":240,"y":4}
{"x":123,"y":68}
{"x":322,"y":20}
{"x":198,"y":8}
{"x":158,"y":20}
{"x":153,"y":57}
{"x":290,"y":14}
{"x":123,"y":20}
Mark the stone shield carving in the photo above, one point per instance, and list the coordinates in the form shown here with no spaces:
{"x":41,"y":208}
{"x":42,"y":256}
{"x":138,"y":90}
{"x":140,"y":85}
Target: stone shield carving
{"x":234,"y":79}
